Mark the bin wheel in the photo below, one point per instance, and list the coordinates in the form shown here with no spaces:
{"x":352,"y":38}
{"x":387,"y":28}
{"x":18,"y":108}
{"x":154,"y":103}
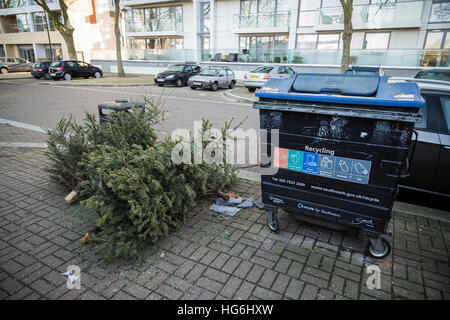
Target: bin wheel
{"x":379,"y":254}
{"x":275,"y":225}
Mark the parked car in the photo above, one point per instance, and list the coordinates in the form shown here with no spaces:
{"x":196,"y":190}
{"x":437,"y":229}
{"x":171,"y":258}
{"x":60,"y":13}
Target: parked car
{"x":256,"y":78}
{"x":68,"y":69}
{"x":40,"y":69}
{"x":177,"y":74}
{"x":430,"y":164}
{"x":213,"y":78}
{"x":439,"y":74}
{"x":3,"y":68}
{"x":13,"y":64}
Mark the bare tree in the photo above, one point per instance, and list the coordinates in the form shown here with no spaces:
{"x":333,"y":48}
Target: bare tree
{"x":347,"y":6}
{"x":120,"y":70}
{"x":64,"y":27}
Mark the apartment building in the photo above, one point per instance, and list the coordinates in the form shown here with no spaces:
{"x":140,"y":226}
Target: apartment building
{"x":398,"y":33}
{"x":23,"y":29}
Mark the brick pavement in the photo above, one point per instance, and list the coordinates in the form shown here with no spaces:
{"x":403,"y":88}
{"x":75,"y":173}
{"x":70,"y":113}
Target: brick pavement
{"x":212,"y":257}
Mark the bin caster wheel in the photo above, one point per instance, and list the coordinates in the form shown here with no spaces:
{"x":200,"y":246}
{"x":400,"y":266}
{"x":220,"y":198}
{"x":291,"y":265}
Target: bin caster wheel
{"x":274,"y":223}
{"x":381,"y":252}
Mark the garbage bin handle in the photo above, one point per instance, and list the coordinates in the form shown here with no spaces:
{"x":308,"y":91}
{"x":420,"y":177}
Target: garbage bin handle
{"x":409,"y":159}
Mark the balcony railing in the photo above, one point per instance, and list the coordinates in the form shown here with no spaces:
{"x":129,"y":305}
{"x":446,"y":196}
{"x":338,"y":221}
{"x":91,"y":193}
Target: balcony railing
{"x":387,"y":15}
{"x":262,"y":20}
{"x":155,"y":25}
{"x":401,"y":58}
{"x":14,"y":28}
{"x":160,"y":54}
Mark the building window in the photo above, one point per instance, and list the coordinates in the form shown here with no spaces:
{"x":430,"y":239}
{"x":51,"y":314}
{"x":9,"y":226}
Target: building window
{"x":12,"y":4}
{"x":440,"y":11}
{"x":39,"y":21}
{"x":321,"y":41}
{"x":57,"y":52}
{"x":264,"y":48}
{"x":263,"y":6}
{"x":2,"y":51}
{"x":205,"y":16}
{"x":437,"y":47}
{"x":308,"y":12}
{"x":376,"y":40}
{"x":155,"y":19}
{"x":328,"y":41}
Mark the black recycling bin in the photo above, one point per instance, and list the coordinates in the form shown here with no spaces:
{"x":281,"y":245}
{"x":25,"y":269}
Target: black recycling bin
{"x":343,"y":143}
{"x":115,"y":106}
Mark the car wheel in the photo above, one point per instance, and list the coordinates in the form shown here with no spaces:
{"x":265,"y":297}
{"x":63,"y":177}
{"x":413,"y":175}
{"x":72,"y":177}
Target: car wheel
{"x":55,"y":79}
{"x":215,"y":86}
{"x":179,"y":82}
{"x":251,"y":89}
{"x":47,"y":76}
{"x":4,"y":70}
{"x":231,"y":86}
{"x":67,"y":76}
{"x":97,"y":75}
{"x":193,"y":88}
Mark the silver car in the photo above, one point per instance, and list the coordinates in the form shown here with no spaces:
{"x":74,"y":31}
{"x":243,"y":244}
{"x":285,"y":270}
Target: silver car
{"x":256,"y":78}
{"x":213,"y":78}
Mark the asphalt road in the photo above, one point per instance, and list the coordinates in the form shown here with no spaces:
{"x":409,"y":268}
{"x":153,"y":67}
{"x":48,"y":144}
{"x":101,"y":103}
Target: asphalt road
{"x":27,"y":101}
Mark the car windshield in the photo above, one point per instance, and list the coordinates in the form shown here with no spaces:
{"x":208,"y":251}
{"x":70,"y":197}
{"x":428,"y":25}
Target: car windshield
{"x":175,"y":68}
{"x":433,"y":75}
{"x":37,"y":65}
{"x":210,"y":72}
{"x":262,"y":70}
{"x":56,"y":64}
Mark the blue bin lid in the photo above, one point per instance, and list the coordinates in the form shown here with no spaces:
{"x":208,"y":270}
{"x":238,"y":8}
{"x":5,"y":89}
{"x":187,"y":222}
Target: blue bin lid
{"x":372,"y":90}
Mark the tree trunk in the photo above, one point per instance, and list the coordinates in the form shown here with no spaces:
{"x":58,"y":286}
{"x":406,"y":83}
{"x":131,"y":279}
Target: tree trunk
{"x":68,"y":38}
{"x":120,"y":70}
{"x":347,"y":7}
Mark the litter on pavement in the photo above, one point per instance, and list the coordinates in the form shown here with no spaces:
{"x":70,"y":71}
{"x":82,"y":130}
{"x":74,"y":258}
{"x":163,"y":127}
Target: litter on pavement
{"x":231,"y":206}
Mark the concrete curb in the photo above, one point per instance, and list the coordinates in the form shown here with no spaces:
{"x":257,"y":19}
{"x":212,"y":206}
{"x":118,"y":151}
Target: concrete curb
{"x":231,"y":95}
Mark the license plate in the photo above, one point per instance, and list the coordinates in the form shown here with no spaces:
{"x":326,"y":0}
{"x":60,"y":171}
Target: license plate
{"x":34,"y":69}
{"x":197,"y":83}
{"x":52,"y":74}
{"x":160,"y":80}
{"x":254,"y":77}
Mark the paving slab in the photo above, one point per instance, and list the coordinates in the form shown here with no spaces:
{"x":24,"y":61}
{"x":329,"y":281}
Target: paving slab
{"x":211,"y":257}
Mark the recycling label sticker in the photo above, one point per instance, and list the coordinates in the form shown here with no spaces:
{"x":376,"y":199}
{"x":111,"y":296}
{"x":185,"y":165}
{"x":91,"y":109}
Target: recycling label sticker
{"x":340,"y":168}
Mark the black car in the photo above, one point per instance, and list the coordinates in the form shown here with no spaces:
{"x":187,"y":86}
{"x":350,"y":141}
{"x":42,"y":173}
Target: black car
{"x":430,"y":164}
{"x":439,"y":74}
{"x":40,"y":69}
{"x":68,"y":69}
{"x":177,"y":74}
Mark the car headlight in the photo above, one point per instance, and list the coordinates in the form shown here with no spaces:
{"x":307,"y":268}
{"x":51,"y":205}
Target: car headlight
{"x":170,"y":77}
